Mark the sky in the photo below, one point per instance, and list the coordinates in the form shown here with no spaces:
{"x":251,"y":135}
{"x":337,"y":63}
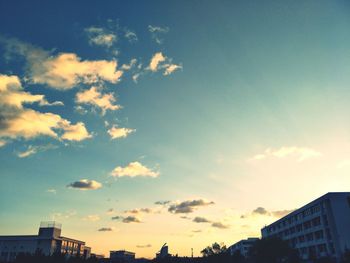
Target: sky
{"x":135,"y":123}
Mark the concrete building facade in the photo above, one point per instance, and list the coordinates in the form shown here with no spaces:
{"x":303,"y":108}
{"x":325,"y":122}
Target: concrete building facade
{"x":48,"y":241}
{"x":319,"y":229}
{"x":243,"y":246}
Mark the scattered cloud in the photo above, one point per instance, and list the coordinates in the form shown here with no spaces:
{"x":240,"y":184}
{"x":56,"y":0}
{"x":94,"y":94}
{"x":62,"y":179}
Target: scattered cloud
{"x":300,"y":153}
{"x":64,"y":70}
{"x":261,"y":211}
{"x":199,"y":219}
{"x":33,"y":149}
{"x":106,"y":229}
{"x":130,"y":36}
{"x":169,"y":69}
{"x":76,"y":132}
{"x":155,"y":61}
{"x":188,"y":206}
{"x":63,"y":215}
{"x":92,"y":218}
{"x":116,"y":132}
{"x":96,"y":98}
{"x":52,"y":191}
{"x":85,"y":184}
{"x":219,"y":225}
{"x":134,"y":169}
{"x":139,"y":211}
{"x":131,"y":219}
{"x":144,"y":246}
{"x":162,"y":202}
{"x":116,"y":218}
{"x":130,"y":65}
{"x":99,"y":36}
{"x":157,"y":33}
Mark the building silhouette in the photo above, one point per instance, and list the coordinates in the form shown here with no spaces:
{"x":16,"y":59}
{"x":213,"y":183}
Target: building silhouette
{"x":243,"y":246}
{"x":121,"y":256}
{"x":47,"y":242}
{"x":319,"y":229}
{"x":164,"y":252}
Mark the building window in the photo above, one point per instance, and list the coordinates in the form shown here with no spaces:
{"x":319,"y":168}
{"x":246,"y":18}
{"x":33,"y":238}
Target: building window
{"x":349,"y":200}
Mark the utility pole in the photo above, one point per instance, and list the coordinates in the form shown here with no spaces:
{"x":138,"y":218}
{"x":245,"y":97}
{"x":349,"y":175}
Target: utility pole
{"x":192,"y":252}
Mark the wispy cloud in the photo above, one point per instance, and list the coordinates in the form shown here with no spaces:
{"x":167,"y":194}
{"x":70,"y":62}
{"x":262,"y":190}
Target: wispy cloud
{"x":300,"y":153}
{"x":92,"y":218}
{"x":199,"y":219}
{"x":85,"y":184}
{"x":144,"y":246}
{"x":261,"y":211}
{"x":188,"y":206}
{"x":134,"y":169}
{"x":131,"y":219}
{"x":116,"y":132}
{"x":139,"y":211}
{"x":162,"y":202}
{"x":33,"y":149}
{"x":52,"y":191}
{"x":99,"y":36}
{"x":130,"y":35}
{"x":157,"y":33}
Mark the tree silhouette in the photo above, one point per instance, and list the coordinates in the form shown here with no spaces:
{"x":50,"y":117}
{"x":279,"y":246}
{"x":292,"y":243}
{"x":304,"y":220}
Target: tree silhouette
{"x":273,"y":250}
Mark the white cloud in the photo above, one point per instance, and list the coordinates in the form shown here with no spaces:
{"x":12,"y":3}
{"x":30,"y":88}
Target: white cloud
{"x":65,"y":70}
{"x":155,"y":60}
{"x":301,"y":153}
{"x":171,"y":68}
{"x":116,"y":132}
{"x":76,"y":132}
{"x":101,"y":37}
{"x":13,"y":94}
{"x":96,"y":98}
{"x":134,"y":169}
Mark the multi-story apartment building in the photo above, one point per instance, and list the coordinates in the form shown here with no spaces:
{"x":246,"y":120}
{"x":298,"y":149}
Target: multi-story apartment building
{"x":243,"y":246}
{"x":320,"y":228}
{"x":48,"y":241}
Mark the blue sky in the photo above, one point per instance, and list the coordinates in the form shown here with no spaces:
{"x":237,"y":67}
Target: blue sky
{"x":216,"y":107}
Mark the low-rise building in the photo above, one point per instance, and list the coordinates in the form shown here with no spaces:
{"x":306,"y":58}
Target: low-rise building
{"x":47,"y":242}
{"x":243,"y":246}
{"x":121,"y":256}
{"x":318,"y":229}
